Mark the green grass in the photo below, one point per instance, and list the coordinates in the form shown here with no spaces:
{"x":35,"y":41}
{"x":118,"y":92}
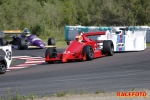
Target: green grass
{"x":148,"y":44}
{"x":61,"y":44}
{"x":101,"y":91}
{"x":17,"y":96}
{"x":60,"y":94}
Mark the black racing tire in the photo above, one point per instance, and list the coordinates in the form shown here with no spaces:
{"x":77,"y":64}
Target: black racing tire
{"x":88,"y":51}
{"x":108,"y":47}
{"x":52,"y":52}
{"x":3,"y":65}
{"x":21,"y":44}
{"x":68,"y":42}
{"x":51,"y":41}
{"x":14,"y":42}
{"x":3,"y":41}
{"x":26,"y":47}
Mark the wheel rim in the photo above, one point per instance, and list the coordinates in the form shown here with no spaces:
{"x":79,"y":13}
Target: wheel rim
{"x":2,"y":67}
{"x":54,"y":53}
{"x":112,"y":49}
{"x":18,"y":46}
{"x":90,"y":52}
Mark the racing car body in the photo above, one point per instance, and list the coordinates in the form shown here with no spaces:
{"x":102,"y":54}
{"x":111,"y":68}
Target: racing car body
{"x":25,"y":41}
{"x":5,"y":60}
{"x":82,"y":48}
{"x":126,"y":40}
{"x":132,"y":38}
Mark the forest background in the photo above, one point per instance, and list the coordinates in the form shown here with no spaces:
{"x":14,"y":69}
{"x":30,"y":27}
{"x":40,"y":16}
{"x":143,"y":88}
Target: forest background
{"x":48,"y":18}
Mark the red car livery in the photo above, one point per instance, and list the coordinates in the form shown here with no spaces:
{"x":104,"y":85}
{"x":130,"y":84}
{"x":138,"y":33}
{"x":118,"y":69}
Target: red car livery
{"x":82,"y":48}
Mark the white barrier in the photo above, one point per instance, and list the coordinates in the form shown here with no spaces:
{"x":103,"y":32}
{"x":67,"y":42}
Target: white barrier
{"x":148,"y":35}
{"x":72,"y":31}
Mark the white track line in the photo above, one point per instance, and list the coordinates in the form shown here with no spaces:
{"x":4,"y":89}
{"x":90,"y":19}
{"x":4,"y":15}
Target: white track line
{"x":28,"y":58}
{"x":34,"y":61}
{"x":20,"y":56}
{"x":15,"y":68}
{"x":26,"y":64}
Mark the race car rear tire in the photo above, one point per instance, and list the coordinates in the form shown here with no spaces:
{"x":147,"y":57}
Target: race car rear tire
{"x":108,"y":47}
{"x":88,"y":52}
{"x":52,"y":52}
{"x":51,"y":41}
{"x":3,"y":65}
{"x":68,"y":42}
{"x":21,"y":44}
{"x":3,"y":41}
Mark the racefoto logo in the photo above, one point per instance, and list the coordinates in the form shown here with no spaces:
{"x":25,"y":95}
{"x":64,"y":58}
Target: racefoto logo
{"x":132,"y":94}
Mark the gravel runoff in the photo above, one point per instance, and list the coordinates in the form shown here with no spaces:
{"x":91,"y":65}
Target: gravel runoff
{"x":101,"y":96}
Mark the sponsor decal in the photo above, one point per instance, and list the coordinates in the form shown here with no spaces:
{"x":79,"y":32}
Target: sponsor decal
{"x":66,"y":52}
{"x":8,"y":54}
{"x":120,"y":43}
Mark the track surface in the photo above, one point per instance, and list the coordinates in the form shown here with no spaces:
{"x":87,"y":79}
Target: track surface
{"x":123,"y":71}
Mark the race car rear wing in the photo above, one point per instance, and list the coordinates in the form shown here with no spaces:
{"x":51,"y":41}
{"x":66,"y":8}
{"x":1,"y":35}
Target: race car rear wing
{"x":2,"y":33}
{"x":95,"y":33}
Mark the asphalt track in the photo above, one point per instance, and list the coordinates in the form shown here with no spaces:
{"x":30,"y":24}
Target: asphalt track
{"x":121,"y":72}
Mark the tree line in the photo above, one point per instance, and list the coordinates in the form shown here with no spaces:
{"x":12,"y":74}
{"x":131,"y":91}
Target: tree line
{"x":49,"y":17}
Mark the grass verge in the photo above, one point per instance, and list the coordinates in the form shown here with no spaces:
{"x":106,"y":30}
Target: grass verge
{"x":61,"y":44}
{"x":148,"y":44}
{"x":98,"y":95}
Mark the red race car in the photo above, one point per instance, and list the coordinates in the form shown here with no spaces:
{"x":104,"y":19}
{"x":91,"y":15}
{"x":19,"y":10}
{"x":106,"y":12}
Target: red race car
{"x":82,"y":48}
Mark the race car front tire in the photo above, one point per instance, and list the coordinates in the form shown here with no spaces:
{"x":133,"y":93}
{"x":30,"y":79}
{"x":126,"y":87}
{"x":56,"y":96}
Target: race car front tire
{"x":21,"y":44}
{"x":3,"y":41}
{"x":88,"y":52}
{"x":51,"y":41}
{"x":3,"y":65}
{"x":52,"y":53}
{"x":108,"y":47}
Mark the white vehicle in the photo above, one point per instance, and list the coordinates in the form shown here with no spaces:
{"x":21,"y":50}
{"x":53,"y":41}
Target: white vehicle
{"x":126,"y":40}
{"x":131,"y":38}
{"x":5,"y":60}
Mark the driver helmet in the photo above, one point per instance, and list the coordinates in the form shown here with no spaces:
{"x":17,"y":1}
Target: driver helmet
{"x":118,"y":31}
{"x":79,"y":37}
{"x":26,"y":32}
